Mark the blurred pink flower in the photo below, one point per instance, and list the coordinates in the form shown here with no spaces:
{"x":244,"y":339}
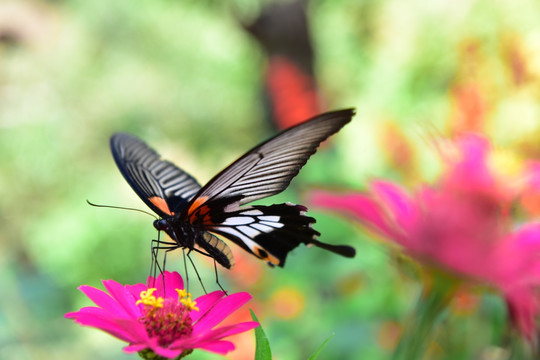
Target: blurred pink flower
{"x":461,"y":226}
{"x":530,"y":196}
{"x":163,"y":320}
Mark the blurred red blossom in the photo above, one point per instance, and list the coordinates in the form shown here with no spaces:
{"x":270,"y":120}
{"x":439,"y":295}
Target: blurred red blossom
{"x":469,"y":108}
{"x":514,"y":53}
{"x":294,"y":93}
{"x":398,"y":149}
{"x":163,"y":321}
{"x":461,"y":225}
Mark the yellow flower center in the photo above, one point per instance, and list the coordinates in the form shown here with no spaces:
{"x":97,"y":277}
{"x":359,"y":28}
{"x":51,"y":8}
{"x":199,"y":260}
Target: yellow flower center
{"x":147,"y":298}
{"x":185,"y":298}
{"x":167,"y":319}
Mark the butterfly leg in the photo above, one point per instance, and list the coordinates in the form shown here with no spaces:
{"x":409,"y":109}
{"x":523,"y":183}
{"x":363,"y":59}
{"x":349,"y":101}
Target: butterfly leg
{"x":168,"y":246}
{"x":194,"y":268}
{"x":217,"y":278}
{"x":185,"y":269}
{"x":154,"y":265}
{"x":157,"y":245}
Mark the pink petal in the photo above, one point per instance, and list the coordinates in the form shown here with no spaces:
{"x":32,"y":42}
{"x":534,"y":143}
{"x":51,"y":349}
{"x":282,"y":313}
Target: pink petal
{"x":153,"y":344}
{"x":518,"y":258}
{"x":105,"y":325}
{"x":135,"y":348}
{"x":91,"y":310}
{"x":528,"y":237}
{"x":124,"y":298}
{"x":398,"y":203}
{"x":150,"y":343}
{"x":167,"y":352}
{"x":220,"y":311}
{"x":103,"y":300}
{"x":360,"y":207}
{"x":169,"y":280}
{"x":523,"y":307}
{"x":221,"y":347}
{"x":104,"y":322}
{"x":226,"y":331}
{"x":136,"y":289}
{"x":532,"y":173}
{"x":471,"y":173}
{"x":204,"y":339}
{"x":205,"y":303}
{"x":137,"y":330}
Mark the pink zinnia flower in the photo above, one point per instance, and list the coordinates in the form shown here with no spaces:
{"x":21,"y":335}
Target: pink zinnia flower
{"x":461,"y":226}
{"x":163,"y":321}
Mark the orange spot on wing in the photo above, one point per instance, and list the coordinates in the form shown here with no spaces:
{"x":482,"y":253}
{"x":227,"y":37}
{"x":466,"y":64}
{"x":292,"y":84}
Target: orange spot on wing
{"x":161,"y":204}
{"x":199,"y":211}
{"x":207,"y":220}
{"x":204,"y":210}
{"x":197,"y":203}
{"x":265,"y":255}
{"x":201,"y":215}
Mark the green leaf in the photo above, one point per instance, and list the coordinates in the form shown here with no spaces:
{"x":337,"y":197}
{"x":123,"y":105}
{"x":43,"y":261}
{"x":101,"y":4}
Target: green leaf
{"x":262,"y":346}
{"x":323,"y":345}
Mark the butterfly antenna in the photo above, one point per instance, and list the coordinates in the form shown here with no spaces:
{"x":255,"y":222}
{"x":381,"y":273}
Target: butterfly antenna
{"x":122,"y":208}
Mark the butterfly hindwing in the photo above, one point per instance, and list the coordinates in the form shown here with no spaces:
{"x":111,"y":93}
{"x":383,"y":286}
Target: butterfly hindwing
{"x":268,"y":232}
{"x":165,"y":188}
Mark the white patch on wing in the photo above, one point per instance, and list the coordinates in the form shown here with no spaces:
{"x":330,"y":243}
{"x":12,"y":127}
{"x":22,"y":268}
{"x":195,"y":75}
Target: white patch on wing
{"x":273,"y":218}
{"x":262,"y":227}
{"x":249,"y":231}
{"x":253,"y":212}
{"x":275,"y":225}
{"x":238,"y":220}
{"x":252,"y":245}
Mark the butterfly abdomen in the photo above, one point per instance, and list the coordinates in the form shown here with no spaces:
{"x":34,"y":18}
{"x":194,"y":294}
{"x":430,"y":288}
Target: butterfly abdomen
{"x":216,"y":248}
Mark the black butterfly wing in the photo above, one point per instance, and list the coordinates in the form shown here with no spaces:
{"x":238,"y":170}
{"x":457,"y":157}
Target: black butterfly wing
{"x":165,"y":188}
{"x":268,"y":168}
{"x":268,"y":232}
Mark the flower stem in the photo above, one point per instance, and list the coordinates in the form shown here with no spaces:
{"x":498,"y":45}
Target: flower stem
{"x":417,"y":334}
{"x":521,"y":349}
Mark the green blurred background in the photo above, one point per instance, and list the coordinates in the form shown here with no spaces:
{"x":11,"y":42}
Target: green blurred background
{"x":184,"y":76}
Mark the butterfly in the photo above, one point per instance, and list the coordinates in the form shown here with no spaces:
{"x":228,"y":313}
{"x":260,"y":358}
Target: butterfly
{"x":198,"y":218}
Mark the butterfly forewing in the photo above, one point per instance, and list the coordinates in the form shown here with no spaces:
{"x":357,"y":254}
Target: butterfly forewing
{"x":165,"y":188}
{"x":268,"y":168}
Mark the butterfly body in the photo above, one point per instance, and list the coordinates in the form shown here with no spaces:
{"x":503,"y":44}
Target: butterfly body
{"x":198,"y":218}
{"x":184,"y":236}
